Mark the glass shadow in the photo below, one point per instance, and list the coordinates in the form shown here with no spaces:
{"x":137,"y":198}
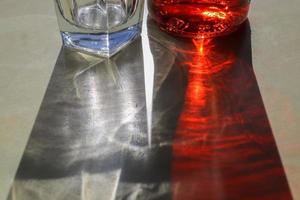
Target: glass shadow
{"x":210,"y":135}
{"x":90,"y":139}
{"x":223,"y":146}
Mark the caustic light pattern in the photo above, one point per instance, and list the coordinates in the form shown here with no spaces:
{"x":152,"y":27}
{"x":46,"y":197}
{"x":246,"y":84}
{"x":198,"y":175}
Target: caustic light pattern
{"x":223,"y":147}
{"x":199,"y":18}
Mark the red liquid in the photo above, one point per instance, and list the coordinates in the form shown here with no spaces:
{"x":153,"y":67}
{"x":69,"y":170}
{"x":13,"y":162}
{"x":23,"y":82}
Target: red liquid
{"x":199,"y":18}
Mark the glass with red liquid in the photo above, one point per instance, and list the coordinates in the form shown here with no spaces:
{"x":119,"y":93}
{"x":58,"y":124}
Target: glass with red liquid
{"x":198,"y":18}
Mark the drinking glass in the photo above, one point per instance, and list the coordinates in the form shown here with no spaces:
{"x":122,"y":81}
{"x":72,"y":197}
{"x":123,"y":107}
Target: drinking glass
{"x":198,"y":18}
{"x":99,"y":26}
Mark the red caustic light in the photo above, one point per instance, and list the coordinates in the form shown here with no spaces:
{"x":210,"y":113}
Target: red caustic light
{"x":199,"y":18}
{"x":223,"y":146}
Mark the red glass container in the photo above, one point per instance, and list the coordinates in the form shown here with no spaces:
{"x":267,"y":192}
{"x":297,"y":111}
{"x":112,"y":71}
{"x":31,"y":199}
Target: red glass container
{"x":198,"y":18}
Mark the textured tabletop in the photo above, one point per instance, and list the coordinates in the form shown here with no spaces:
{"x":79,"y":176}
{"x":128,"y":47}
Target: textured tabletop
{"x":249,"y":111}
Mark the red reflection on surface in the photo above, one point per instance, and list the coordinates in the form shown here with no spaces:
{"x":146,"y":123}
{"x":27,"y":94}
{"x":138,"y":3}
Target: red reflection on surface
{"x":224,"y":147}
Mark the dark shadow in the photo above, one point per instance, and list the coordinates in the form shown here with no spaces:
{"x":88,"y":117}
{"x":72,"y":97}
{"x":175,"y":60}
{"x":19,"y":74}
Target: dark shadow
{"x":81,"y":122}
{"x":91,"y":130}
{"x":223,"y":146}
{"x":211,"y":138}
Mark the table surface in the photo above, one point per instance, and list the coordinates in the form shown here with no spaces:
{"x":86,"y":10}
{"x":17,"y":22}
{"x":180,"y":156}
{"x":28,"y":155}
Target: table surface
{"x":31,"y":54}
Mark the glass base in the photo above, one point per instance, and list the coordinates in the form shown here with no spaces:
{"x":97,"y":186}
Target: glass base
{"x":104,"y":44}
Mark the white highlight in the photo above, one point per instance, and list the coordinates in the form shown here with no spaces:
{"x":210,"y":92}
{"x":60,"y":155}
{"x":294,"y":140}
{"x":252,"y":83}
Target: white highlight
{"x":148,"y":74}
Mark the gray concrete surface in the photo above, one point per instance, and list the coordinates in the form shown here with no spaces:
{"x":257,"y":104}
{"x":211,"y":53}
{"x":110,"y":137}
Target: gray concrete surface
{"x":30,"y":44}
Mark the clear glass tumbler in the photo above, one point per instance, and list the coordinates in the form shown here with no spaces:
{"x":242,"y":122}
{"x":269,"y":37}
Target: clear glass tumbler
{"x":99,"y":26}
